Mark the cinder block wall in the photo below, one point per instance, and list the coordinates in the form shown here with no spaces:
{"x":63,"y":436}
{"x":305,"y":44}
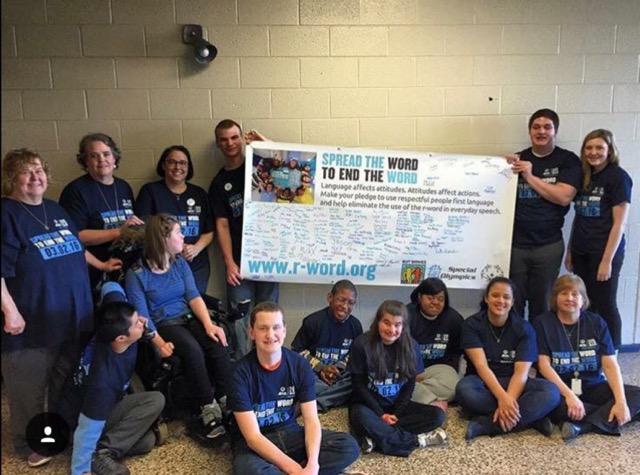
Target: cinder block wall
{"x":437,"y":75}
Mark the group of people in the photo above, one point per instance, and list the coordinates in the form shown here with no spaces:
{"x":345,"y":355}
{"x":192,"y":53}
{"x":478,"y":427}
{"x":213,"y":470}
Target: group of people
{"x":398,"y":377}
{"x":282,"y":181}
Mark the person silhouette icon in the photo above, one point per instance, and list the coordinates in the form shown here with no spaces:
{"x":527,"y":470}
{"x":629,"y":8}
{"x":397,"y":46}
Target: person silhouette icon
{"x":47,"y":439}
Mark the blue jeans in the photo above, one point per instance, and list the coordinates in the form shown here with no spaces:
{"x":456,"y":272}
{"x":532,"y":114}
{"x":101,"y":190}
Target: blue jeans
{"x":256,"y":292}
{"x":399,"y":439}
{"x":538,"y":398}
{"x":337,"y":451}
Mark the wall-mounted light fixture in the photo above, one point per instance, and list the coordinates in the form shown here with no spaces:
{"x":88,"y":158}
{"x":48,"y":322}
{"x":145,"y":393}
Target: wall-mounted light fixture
{"x":204,"y":52}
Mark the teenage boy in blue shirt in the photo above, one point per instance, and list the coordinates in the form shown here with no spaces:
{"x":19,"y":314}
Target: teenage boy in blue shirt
{"x":113,"y":424}
{"x":267,"y":385}
{"x":325,"y":340}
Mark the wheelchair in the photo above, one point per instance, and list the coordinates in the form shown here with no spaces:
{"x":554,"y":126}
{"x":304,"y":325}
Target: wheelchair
{"x":154,"y":373}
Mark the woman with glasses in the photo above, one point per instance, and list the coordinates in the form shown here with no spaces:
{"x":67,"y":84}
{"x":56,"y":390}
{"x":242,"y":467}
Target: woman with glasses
{"x":100,"y":204}
{"x":436,"y":327}
{"x":187,"y":202}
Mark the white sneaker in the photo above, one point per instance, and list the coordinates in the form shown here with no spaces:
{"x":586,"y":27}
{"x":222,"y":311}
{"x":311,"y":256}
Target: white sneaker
{"x":367,"y":445}
{"x":431,"y":439}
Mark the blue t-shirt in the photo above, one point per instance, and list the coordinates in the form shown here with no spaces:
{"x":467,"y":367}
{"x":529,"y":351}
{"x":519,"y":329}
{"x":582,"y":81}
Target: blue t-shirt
{"x":93,"y":205}
{"x":517,"y":342}
{"x":538,"y":221}
{"x":45,"y":272}
{"x":570,"y":351}
{"x":385,"y":390}
{"x":161,"y":296}
{"x":438,"y":339}
{"x":328,"y":339}
{"x":190,"y":208}
{"x":594,"y":210}
{"x":271,"y":395}
{"x":226,"y":195}
{"x":109,"y":376}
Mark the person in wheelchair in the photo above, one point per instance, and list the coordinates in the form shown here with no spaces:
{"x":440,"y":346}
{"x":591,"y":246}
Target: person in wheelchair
{"x":162,"y":288}
{"x":112,"y":424}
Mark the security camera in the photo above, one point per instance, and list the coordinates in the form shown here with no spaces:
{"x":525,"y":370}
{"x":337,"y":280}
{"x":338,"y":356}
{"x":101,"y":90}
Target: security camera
{"x":204,"y":52}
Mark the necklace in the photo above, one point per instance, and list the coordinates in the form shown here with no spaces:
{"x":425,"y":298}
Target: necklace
{"x":45,"y":223}
{"x":497,"y":338}
{"x":104,"y":198}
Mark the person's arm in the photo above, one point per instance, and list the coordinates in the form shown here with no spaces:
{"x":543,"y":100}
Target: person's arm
{"x":201,"y":312}
{"x":226,"y":247}
{"x":568,"y":262}
{"x":507,"y":404}
{"x":361,"y":391}
{"x":248,"y":425}
{"x":312,"y":435}
{"x":85,"y":440}
{"x":95,"y":237}
{"x":574,"y":404}
{"x":137,"y":297}
{"x":620,"y":411}
{"x":13,"y":320}
{"x":190,"y":251}
{"x":514,"y":389}
{"x":403,"y":397}
{"x":557,"y":193}
{"x":109,"y":265}
{"x":620,"y":213}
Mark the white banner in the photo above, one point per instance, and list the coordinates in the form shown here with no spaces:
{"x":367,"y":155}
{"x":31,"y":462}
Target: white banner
{"x":375,"y":217}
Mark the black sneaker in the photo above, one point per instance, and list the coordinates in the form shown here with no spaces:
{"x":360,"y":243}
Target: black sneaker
{"x":544,"y":426}
{"x":104,"y":463}
{"x":211,"y":417}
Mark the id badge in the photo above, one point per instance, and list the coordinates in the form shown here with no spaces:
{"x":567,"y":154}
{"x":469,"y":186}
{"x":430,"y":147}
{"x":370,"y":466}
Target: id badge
{"x":576,"y":386}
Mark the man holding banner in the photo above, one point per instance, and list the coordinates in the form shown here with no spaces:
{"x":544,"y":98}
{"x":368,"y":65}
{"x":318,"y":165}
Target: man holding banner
{"x":549,"y":178}
{"x":227,"y":201}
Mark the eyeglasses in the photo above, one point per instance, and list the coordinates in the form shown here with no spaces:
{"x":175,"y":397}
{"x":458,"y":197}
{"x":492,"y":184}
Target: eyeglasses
{"x":176,"y":163}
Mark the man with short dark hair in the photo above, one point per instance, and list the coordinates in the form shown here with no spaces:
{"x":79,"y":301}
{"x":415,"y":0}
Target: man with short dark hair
{"x":548,"y":179}
{"x":268,"y":383}
{"x":325,"y":340}
{"x":227,"y":200}
{"x":113,"y":424}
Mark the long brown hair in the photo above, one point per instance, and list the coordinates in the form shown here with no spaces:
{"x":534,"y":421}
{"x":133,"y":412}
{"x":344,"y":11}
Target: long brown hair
{"x":157,"y":229}
{"x":406,"y":356}
{"x":613,"y":158}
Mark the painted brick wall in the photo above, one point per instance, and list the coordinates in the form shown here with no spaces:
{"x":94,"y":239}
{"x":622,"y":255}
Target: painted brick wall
{"x":404,"y":74}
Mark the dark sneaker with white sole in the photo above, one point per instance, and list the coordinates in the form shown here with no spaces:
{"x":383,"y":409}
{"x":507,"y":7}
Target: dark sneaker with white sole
{"x":104,"y":463}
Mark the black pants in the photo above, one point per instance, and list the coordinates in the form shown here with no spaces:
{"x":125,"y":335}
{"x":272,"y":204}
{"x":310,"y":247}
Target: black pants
{"x":206,"y":363}
{"x":598,"y":400}
{"x":603,"y":295}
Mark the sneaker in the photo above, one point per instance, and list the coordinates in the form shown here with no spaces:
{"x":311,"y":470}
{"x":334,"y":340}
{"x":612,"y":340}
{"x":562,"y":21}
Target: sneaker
{"x":570,"y":431}
{"x":434,"y":438}
{"x":367,"y":445}
{"x":211,"y":417}
{"x":104,"y":463}
{"x":544,"y":426}
{"x":37,"y":460}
